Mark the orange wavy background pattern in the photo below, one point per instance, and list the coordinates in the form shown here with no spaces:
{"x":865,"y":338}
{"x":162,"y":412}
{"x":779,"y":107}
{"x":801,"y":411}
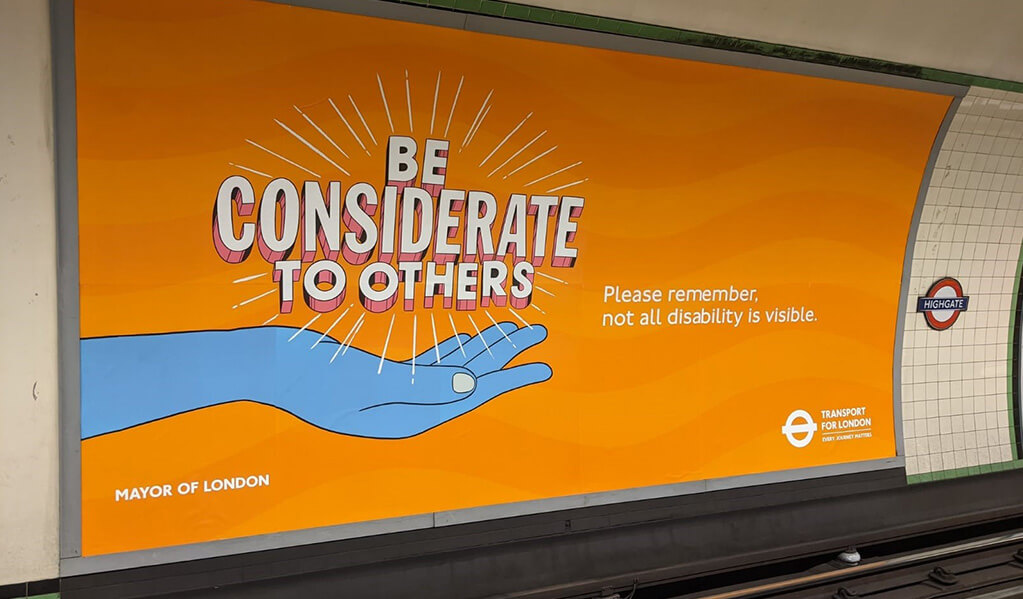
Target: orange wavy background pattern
{"x":696,"y":175}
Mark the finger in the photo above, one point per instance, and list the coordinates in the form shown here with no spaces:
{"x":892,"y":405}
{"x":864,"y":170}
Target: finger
{"x":482,"y":342}
{"x":505,"y":350}
{"x":398,"y":421}
{"x":503,"y":381}
{"x":428,"y":384}
{"x":451,"y":344}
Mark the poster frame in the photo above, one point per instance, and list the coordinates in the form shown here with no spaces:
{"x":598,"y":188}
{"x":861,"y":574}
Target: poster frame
{"x":64,"y":84}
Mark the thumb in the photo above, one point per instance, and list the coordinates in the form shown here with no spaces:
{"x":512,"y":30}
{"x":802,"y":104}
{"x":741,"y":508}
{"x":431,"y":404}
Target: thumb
{"x":397,"y":420}
{"x":399,"y":383}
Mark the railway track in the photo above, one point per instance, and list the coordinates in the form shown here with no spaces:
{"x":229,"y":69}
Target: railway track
{"x":989,"y":567}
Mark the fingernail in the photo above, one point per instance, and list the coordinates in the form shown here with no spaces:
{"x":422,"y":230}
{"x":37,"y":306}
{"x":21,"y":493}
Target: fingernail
{"x":462,"y":383}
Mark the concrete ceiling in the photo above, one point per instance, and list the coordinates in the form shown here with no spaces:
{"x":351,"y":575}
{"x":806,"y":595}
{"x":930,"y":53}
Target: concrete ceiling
{"x":978,"y":37}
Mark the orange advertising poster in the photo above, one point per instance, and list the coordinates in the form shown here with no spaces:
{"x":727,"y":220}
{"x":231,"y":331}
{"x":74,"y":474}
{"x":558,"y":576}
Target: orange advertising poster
{"x":338,"y":269}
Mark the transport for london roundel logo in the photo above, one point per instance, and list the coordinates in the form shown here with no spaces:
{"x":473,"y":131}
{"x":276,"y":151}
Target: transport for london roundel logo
{"x":943,"y":303}
{"x":799,"y":428}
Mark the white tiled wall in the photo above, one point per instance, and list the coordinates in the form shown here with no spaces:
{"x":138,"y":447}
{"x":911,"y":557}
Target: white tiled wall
{"x":955,"y":383}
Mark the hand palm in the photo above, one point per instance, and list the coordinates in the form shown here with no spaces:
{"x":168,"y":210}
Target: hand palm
{"x":392,"y":399}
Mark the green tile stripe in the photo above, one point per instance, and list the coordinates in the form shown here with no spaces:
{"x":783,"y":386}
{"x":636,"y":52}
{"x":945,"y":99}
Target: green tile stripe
{"x":961,"y":472}
{"x":521,"y":12}
{"x":1011,"y":370}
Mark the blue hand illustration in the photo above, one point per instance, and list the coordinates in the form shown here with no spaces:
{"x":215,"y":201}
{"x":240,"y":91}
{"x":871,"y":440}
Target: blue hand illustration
{"x":127,"y":381}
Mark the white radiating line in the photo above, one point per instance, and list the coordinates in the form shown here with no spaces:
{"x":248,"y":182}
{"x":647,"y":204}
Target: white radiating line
{"x":552,"y":278}
{"x":304,"y":327}
{"x":472,"y":133}
{"x":271,"y":319}
{"x":350,"y":335}
{"x":387,"y":340}
{"x":414,"y":323}
{"x":506,"y":138}
{"x":530,"y":161}
{"x":249,"y":278}
{"x":453,"y":104}
{"x":252,"y":299}
{"x":351,"y":331}
{"x":537,"y":308}
{"x":350,"y":130}
{"x":352,"y":340}
{"x":436,"y":91}
{"x":386,"y":109}
{"x":500,"y":329}
{"x":478,"y":113}
{"x":251,"y":170}
{"x":512,"y":157}
{"x":313,"y":148}
{"x":331,"y":327}
{"x":364,"y":125}
{"x":522,"y":320}
{"x":276,"y":155}
{"x":321,"y":131}
{"x":457,"y":338}
{"x":538,"y":288}
{"x":474,"y":128}
{"x":560,"y":187}
{"x":560,"y":170}
{"x":480,"y":334}
{"x":436,"y":346}
{"x":408,"y":102}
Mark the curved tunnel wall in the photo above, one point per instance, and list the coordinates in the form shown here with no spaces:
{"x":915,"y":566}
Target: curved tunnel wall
{"x":959,"y":415}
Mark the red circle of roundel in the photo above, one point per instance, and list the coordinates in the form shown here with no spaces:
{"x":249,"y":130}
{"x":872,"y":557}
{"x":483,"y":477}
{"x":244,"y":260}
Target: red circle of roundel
{"x":934,"y":323}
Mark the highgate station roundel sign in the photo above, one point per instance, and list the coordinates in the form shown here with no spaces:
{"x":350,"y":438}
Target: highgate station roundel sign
{"x":943,"y":303}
